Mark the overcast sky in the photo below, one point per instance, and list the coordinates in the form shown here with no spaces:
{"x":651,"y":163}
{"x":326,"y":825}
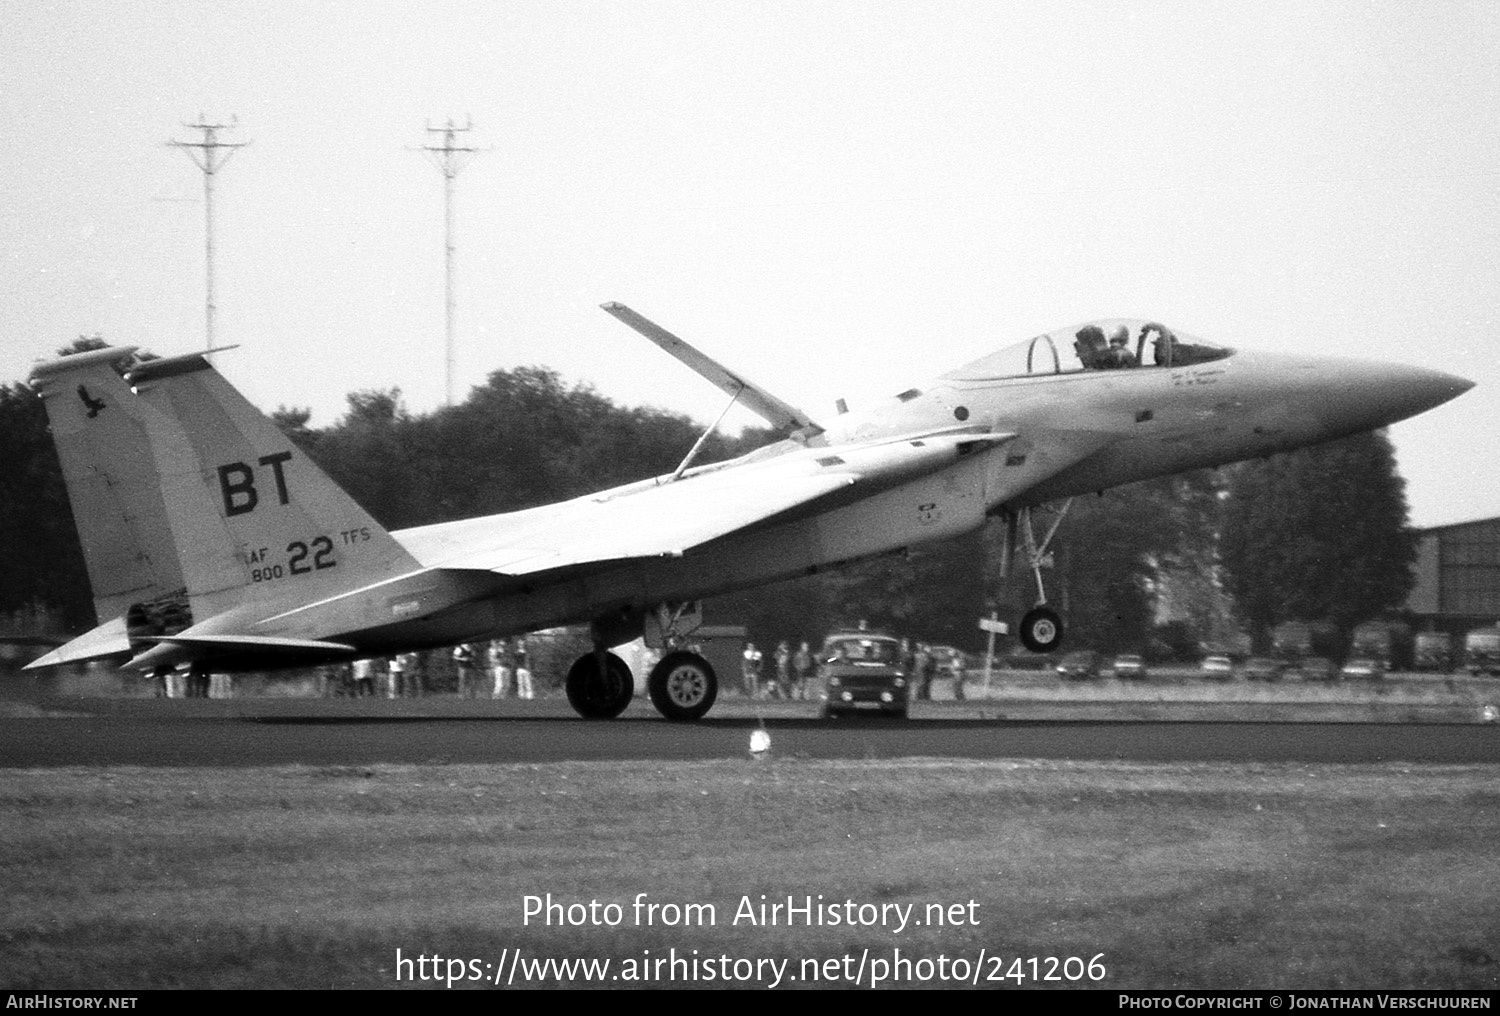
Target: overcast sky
{"x":837,"y":198}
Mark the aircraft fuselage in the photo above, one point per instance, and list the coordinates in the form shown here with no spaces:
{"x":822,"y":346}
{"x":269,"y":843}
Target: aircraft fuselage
{"x":1076,"y":432}
{"x":212,"y":541}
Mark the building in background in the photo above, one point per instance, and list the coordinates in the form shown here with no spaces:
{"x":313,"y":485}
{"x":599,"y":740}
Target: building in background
{"x":1458,"y":577}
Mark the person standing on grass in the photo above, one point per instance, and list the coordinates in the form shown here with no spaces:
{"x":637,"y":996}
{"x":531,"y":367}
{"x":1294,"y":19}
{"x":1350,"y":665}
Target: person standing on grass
{"x":750,"y":663}
{"x":499,"y":659}
{"x":783,"y":658}
{"x":463,"y":662}
{"x":802,"y":671}
{"x":364,"y":678}
{"x":920,"y":675}
{"x":523,"y":672}
{"x":398,"y":677}
{"x":956,"y":669}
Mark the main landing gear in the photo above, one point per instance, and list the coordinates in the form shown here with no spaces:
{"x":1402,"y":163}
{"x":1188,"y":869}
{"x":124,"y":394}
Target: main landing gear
{"x":599,"y":685}
{"x":1041,"y":626}
{"x":683,"y":686}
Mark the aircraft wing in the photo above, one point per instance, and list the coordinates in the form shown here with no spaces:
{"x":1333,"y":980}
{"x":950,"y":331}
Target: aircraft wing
{"x":662,"y":522}
{"x":762,"y":403}
{"x":666,"y":519}
{"x":257,"y":643}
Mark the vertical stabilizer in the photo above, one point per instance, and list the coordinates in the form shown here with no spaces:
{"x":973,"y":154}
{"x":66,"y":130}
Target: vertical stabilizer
{"x":110,"y":471}
{"x":292,"y":529}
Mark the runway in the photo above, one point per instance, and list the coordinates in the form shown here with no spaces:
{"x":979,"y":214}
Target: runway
{"x":269,"y":733}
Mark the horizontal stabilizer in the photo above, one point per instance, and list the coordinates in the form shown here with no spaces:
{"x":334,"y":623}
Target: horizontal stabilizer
{"x":109,"y":639}
{"x":762,"y":403}
{"x":171,"y":366}
{"x":75,"y":362}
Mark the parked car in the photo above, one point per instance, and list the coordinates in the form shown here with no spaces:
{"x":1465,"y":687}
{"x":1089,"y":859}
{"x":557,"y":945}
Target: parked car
{"x":1218,"y":668}
{"x":1482,"y":651}
{"x":1362,"y":668}
{"x":1080,"y":665}
{"x":1130,"y":667}
{"x":862,"y":670}
{"x":1317,"y":668}
{"x":945,"y":657}
{"x":952,"y":666}
{"x":1263,"y":668}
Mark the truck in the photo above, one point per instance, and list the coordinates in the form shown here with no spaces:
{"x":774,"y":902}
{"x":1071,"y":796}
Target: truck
{"x":1433,"y":651}
{"x":1482,"y":651}
{"x":862,"y":670}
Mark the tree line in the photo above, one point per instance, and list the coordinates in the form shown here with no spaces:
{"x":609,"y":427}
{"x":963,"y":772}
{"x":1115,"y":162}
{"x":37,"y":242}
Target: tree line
{"x":1318,"y":534}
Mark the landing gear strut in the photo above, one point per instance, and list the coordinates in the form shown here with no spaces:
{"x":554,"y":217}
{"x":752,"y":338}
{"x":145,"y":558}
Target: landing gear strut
{"x":1041,"y":627}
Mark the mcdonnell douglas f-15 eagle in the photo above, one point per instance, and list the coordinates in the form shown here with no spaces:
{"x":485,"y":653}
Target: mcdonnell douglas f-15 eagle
{"x":212,"y":542}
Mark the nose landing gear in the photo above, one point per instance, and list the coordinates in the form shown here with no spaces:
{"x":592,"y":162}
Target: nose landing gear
{"x":1041,"y":627}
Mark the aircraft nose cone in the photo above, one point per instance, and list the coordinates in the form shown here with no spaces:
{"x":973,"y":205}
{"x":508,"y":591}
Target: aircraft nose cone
{"x":1378,"y":394}
{"x":1408,"y":391}
{"x":1446,"y":386}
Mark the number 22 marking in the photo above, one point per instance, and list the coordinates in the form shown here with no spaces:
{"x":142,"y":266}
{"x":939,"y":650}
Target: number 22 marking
{"x":322,"y":556}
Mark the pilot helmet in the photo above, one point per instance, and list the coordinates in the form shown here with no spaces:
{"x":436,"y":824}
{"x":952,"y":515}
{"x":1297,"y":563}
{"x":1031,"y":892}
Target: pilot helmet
{"x":1119,"y":335}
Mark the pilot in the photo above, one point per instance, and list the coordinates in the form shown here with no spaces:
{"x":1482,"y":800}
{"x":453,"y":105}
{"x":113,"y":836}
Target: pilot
{"x":1118,"y":354}
{"x":1165,"y":345}
{"x":1090,"y":346}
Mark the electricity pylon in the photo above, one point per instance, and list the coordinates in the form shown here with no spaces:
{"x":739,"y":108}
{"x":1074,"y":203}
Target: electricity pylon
{"x":209,"y":155}
{"x":449,"y":157}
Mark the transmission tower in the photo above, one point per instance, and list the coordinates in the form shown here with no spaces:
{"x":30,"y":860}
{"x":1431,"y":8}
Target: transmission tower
{"x":449,"y":157}
{"x":209,"y":155}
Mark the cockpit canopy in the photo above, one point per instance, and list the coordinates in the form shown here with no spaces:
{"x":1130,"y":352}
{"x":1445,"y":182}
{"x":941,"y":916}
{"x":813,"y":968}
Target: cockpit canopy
{"x":1109,"y":344}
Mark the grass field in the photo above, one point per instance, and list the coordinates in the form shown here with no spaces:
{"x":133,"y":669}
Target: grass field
{"x":1181,"y":876}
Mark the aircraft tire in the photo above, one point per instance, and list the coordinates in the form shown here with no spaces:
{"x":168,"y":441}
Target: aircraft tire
{"x":1041,"y":630}
{"x":599,"y":697}
{"x":683,"y":686}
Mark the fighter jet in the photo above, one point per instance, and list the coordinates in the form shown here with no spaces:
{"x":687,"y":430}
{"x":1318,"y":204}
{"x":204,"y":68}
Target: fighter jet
{"x":214,"y":543}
